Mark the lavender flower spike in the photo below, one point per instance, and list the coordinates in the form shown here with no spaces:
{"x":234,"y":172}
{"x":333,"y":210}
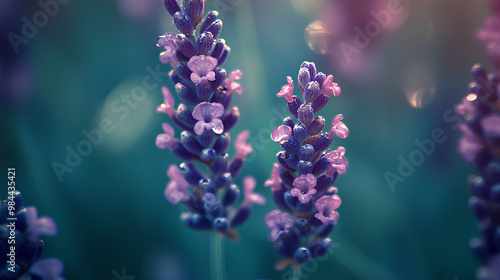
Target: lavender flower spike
{"x":206,"y":183}
{"x":301,"y":183}
{"x":479,"y":144}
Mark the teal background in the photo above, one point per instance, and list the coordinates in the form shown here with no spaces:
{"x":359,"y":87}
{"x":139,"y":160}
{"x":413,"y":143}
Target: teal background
{"x":111,"y":211}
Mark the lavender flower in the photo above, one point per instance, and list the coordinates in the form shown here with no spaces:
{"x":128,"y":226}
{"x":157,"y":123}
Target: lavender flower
{"x":204,"y":182}
{"x":301,"y":183}
{"x":479,"y":144}
{"x":28,"y":246}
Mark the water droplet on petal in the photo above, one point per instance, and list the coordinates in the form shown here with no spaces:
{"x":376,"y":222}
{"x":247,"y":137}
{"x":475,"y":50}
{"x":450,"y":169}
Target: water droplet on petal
{"x":318,"y":37}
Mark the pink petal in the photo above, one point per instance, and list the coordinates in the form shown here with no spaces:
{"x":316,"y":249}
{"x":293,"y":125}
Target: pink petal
{"x":195,"y":78}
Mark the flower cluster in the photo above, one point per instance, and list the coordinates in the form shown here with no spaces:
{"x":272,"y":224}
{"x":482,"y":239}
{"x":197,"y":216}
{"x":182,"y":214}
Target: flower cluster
{"x":302,"y":182}
{"x":21,"y":228}
{"x":201,"y":82}
{"x":480,"y":144}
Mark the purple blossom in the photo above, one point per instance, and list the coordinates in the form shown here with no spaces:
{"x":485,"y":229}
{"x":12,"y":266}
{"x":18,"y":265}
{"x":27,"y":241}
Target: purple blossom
{"x":338,"y":162}
{"x":230,"y":83}
{"x":491,"y":126}
{"x":167,"y":41}
{"x":304,"y":187}
{"x":167,"y":107}
{"x":251,"y":197}
{"x":176,"y":189}
{"x":287,"y":90}
{"x":208,"y":117}
{"x":330,"y":87}
{"x":48,"y":269}
{"x":281,"y":133}
{"x":202,"y":67}
{"x":279,"y":222}
{"x":468,"y":144}
{"x":326,"y":206}
{"x":242,"y":147}
{"x":338,"y":128}
{"x":39,"y":226}
{"x":166,"y":139}
{"x":275,"y":180}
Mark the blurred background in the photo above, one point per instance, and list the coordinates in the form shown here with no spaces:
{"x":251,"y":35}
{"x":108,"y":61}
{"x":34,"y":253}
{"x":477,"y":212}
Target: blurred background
{"x":110,"y":208}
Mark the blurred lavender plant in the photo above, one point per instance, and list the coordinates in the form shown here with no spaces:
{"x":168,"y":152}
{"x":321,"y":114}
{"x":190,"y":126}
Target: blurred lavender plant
{"x":28,"y":245}
{"x":302,"y":182}
{"x":200,"y":81}
{"x":15,"y":70}
{"x":480,"y":144}
{"x":349,"y":31}
{"x":490,"y":34}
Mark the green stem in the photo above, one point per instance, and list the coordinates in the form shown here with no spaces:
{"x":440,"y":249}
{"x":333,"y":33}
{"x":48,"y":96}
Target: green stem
{"x":295,"y":273}
{"x":217,"y":258}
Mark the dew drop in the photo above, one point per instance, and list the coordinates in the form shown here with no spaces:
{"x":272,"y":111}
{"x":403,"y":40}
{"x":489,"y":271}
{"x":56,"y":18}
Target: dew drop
{"x":319,"y":37}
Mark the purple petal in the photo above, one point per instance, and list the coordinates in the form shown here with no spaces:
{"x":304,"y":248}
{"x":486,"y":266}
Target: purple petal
{"x":275,"y":179}
{"x":211,"y":76}
{"x":303,"y":195}
{"x":326,"y":206}
{"x":491,"y":126}
{"x":206,"y":111}
{"x":338,"y":128}
{"x":48,"y":269}
{"x":271,"y":218}
{"x":275,"y":234}
{"x":241,"y":145}
{"x":165,"y":139}
{"x":176,"y":189}
{"x":173,"y":193}
{"x":39,"y":226}
{"x":281,"y":133}
{"x":305,"y":182}
{"x":195,"y":78}
{"x":201,"y":126}
{"x":231,"y":84}
{"x":330,"y":87}
{"x":202,"y":66}
{"x":249,"y":184}
{"x":287,"y":90}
